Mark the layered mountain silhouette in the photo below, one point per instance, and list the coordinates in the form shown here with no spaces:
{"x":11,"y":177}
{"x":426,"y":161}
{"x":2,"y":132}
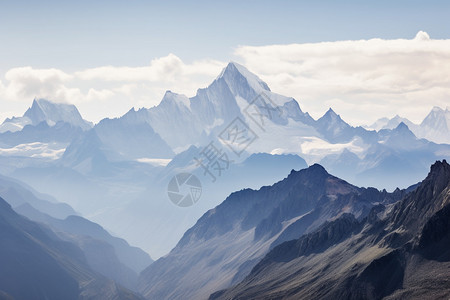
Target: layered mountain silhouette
{"x":397,"y":251}
{"x":229,"y":240}
{"x":36,"y":264}
{"x":309,"y":235}
{"x":110,"y":256}
{"x":133,"y":157}
{"x":434,"y":127}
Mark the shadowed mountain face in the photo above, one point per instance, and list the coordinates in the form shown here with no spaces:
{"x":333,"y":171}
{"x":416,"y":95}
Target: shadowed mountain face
{"x":110,"y":256}
{"x":227,"y":241}
{"x":18,"y":194}
{"x":36,"y":264}
{"x":400,"y":251}
{"x":89,"y":236}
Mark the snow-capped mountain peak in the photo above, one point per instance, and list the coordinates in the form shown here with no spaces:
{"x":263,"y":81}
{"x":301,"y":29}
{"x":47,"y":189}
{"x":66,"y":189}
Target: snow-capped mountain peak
{"x":436,"y":126}
{"x":239,"y":78}
{"x":332,"y":118}
{"x":43,"y":110}
{"x":438,"y":119}
{"x":437,"y":109}
{"x":333,"y":127}
{"x":51,"y":112}
{"x":385,"y":123}
{"x":174,"y":99}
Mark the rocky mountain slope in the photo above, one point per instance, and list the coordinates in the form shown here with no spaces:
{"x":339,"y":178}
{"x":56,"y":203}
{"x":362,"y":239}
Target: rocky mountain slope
{"x":398,"y":251}
{"x":230,"y":239}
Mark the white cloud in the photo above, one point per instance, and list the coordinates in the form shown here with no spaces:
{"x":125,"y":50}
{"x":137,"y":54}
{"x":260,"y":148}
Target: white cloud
{"x":362,"y":80}
{"x":122,"y":87}
{"x":163,"y":69}
{"x":27,"y":82}
{"x":94,"y":94}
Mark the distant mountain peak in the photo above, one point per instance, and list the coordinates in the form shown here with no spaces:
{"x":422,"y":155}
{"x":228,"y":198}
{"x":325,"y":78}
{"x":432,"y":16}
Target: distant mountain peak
{"x":331,"y":117}
{"x":437,"y":125}
{"x":437,"y":109}
{"x":234,"y":74}
{"x":331,"y":113}
{"x":402,"y":130}
{"x":51,"y":112}
{"x":174,"y":98}
{"x":401,"y":127}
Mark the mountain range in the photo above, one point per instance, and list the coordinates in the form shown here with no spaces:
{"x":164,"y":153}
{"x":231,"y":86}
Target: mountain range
{"x":230,"y":239}
{"x":398,"y":251}
{"x":101,"y":252}
{"x":116,"y":172}
{"x":37,"y":264}
{"x":435,"y":127}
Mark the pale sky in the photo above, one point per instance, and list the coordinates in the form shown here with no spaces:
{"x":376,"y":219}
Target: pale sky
{"x":366,"y":59}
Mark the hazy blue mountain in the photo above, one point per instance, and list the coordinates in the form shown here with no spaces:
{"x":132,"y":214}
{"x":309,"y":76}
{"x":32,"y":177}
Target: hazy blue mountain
{"x":133,"y":257}
{"x":116,"y":171}
{"x":110,"y":256}
{"x":19,"y":193}
{"x":116,"y":140}
{"x":36,"y":264}
{"x":398,"y":251}
{"x":435,"y":126}
{"x":60,"y":132}
{"x":227,"y":241}
{"x":386,"y":123}
{"x":334,"y":128}
{"x":123,"y":263}
{"x":397,"y":159}
{"x":153,"y":209}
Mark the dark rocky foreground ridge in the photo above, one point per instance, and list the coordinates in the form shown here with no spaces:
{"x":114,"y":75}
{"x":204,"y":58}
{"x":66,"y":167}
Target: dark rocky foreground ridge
{"x":229,"y":240}
{"x":399,"y":251}
{"x":309,"y":236}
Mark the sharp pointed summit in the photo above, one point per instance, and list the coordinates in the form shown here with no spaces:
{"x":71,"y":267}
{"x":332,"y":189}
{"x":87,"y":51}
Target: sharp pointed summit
{"x":333,"y":127}
{"x":402,"y":132}
{"x":331,"y":114}
{"x":436,"y":126}
{"x":239,"y":79}
{"x":43,"y":110}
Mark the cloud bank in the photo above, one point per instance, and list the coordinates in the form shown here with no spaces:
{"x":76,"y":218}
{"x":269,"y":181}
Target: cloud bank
{"x":362,"y":80}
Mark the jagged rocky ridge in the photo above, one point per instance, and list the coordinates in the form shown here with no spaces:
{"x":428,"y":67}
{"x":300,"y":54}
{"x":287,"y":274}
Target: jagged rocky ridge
{"x":399,"y":251}
{"x":227,"y":241}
